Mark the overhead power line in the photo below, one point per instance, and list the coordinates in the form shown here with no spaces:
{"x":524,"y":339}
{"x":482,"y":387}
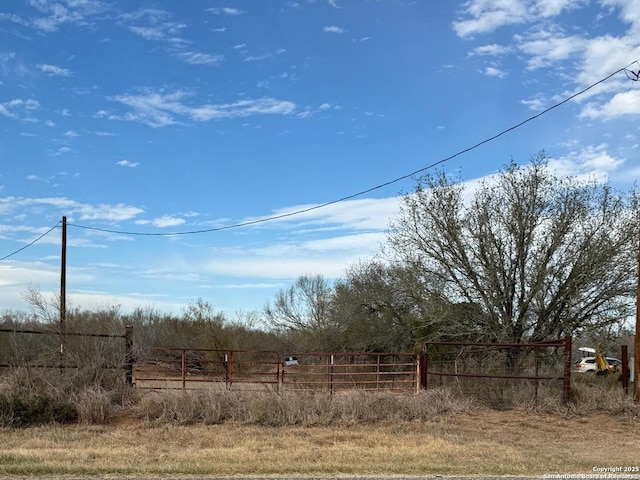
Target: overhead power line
{"x":31,"y":243}
{"x":631,"y":74}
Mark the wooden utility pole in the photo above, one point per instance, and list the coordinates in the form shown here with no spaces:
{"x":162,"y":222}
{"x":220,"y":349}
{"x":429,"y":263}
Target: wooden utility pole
{"x":636,"y":341}
{"x":63,"y":287}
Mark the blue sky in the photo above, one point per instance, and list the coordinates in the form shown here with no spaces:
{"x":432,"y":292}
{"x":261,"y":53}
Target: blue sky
{"x":162,"y":116}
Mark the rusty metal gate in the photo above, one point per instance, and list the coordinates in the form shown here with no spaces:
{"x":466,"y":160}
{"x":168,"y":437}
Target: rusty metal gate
{"x":333,"y":372}
{"x":179,"y":368}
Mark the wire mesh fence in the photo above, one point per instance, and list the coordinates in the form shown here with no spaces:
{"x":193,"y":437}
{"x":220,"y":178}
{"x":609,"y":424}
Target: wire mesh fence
{"x":60,"y":358}
{"x":500,"y":374}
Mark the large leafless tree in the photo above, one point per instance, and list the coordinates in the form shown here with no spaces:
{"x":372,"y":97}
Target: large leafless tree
{"x":540,"y":255}
{"x":302,"y":312}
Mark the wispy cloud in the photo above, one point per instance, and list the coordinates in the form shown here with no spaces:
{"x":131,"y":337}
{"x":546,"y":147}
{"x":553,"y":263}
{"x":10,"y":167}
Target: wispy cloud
{"x":546,"y":48}
{"x":483,"y":16}
{"x":54,"y":71}
{"x":159,"y":26}
{"x":18,"y":107}
{"x":127,"y":163}
{"x":226,"y":11}
{"x":199,"y":58}
{"x":163,"y":222}
{"x":333,"y":29}
{"x":492,"y":50}
{"x":75,"y":12}
{"x":159,"y":109}
{"x":84,"y":211}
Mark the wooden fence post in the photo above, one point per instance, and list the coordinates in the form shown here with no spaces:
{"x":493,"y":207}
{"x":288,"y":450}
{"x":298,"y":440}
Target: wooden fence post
{"x":625,"y":369}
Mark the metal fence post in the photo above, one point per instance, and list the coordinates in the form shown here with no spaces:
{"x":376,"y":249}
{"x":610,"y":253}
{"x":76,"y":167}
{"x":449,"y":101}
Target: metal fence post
{"x":330,"y":373}
{"x":183,"y":368}
{"x":423,"y":367}
{"x":128,"y":355}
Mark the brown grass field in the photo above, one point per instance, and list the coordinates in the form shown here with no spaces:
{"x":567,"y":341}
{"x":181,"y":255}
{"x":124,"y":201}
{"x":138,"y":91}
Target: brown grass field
{"x":480,"y":441}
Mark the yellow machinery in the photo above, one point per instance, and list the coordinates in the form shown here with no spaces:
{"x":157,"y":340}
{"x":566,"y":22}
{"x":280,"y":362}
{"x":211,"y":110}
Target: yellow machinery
{"x":601,"y":362}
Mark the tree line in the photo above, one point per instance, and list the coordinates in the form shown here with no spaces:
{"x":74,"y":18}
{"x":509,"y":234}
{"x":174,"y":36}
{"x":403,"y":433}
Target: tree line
{"x":526,"y":255}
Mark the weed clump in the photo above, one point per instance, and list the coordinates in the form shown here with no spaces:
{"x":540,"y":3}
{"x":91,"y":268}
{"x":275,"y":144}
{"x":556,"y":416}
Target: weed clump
{"x":18,"y":410}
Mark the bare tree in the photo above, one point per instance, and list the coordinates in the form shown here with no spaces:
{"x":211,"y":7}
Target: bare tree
{"x":45,"y":309}
{"x":302,"y":312}
{"x":541,"y":256}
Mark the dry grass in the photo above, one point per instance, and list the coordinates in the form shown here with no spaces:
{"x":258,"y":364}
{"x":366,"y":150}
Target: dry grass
{"x":481,"y":442}
{"x":209,"y":432}
{"x":296,"y":408}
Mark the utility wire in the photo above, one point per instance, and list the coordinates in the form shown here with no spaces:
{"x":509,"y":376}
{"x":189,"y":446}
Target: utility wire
{"x":31,"y":243}
{"x":368,"y":190}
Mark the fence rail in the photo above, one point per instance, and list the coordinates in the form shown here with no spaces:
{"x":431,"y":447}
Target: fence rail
{"x":169,"y":368}
{"x":396,"y":371}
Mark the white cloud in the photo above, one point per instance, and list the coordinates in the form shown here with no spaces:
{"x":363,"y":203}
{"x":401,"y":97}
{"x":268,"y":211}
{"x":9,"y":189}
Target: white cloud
{"x":71,"y":134}
{"x":493,"y":50}
{"x":257,"y":58}
{"x":624,"y":103}
{"x":488,"y":15}
{"x":108,"y":212}
{"x":52,"y":70}
{"x":226,"y":11}
{"x":61,"y":151}
{"x":484,"y":16}
{"x":18,"y":107}
{"x":630,"y":12}
{"x":150,"y":33}
{"x":75,"y":12}
{"x":494,"y":72}
{"x":158,"y":25}
{"x":333,"y":29}
{"x":198,"y":58}
{"x":159,"y":109}
{"x":270,"y":266}
{"x":162,"y":222}
{"x":589,"y":163}
{"x":547,"y":48}
{"x":535,"y":104}
{"x":362,"y":214}
{"x":127,"y":163}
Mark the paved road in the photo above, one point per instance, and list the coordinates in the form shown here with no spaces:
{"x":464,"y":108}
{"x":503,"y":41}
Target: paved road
{"x":567,"y":476}
{"x":286,"y":477}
